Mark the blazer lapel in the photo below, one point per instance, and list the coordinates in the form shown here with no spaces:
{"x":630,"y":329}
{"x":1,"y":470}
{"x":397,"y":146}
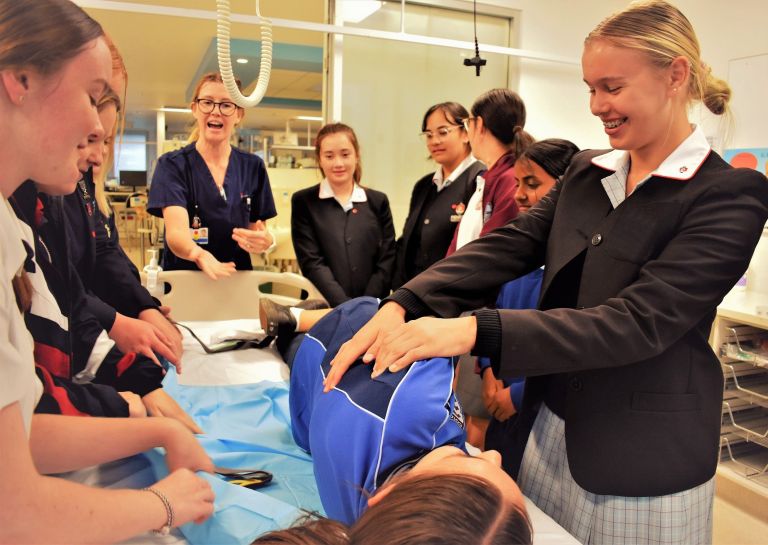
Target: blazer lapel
{"x":581,"y":209}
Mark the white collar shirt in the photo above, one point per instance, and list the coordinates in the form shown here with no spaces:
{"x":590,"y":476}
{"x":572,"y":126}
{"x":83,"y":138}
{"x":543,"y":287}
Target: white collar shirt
{"x":358,"y":195}
{"x":681,"y":165}
{"x":458,"y":171}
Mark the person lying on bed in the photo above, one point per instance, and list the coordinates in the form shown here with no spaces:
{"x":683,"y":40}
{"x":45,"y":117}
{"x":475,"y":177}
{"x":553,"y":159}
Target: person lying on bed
{"x":399,"y":464}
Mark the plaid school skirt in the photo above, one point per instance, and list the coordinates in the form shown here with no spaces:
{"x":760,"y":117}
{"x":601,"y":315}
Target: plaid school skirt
{"x":681,"y":518}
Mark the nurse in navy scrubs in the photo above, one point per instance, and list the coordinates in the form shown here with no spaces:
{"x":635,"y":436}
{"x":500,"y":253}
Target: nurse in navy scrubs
{"x":215,"y":199}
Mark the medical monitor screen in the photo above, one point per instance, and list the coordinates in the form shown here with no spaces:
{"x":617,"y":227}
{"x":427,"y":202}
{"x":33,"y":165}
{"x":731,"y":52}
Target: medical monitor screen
{"x":131,"y":152}
{"x":134,"y":178}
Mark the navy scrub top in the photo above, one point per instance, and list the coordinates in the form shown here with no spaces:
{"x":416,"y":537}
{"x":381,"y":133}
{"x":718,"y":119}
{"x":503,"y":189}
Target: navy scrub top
{"x":248,"y":199}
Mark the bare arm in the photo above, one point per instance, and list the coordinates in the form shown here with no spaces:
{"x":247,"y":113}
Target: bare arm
{"x":38,"y":509}
{"x":109,"y":439}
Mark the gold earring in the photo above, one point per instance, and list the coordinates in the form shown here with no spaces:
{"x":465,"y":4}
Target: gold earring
{"x":21,"y":99}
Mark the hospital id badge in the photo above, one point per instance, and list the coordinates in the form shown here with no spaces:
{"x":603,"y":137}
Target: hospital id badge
{"x":200,"y":236}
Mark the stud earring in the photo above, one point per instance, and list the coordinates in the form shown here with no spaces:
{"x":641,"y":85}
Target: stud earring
{"x":21,"y":98}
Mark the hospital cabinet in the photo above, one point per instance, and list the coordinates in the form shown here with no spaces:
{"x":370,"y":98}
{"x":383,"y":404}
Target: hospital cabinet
{"x":740,"y":339}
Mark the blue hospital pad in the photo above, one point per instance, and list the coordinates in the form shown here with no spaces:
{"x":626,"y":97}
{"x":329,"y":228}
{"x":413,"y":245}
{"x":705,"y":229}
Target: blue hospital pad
{"x":246,"y":426}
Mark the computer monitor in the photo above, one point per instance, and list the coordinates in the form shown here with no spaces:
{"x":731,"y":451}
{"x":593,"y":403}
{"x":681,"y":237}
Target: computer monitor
{"x":133,"y":178}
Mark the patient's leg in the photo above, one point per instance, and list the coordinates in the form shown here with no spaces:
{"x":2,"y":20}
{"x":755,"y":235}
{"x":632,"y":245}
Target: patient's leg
{"x":277,"y":319}
{"x":287,"y":323}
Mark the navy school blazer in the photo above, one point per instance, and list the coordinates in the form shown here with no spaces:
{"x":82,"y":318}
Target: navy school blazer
{"x":344,"y":254}
{"x":630,"y":296}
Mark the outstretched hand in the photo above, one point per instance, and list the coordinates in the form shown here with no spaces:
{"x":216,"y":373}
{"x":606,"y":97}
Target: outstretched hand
{"x":393,"y":344}
{"x":424,"y":338}
{"x":253,"y":241}
{"x":366,"y":342}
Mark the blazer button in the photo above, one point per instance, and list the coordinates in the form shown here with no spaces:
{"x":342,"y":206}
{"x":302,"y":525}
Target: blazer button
{"x":597,"y":239}
{"x":576,"y":384}
{"x":349,"y":240}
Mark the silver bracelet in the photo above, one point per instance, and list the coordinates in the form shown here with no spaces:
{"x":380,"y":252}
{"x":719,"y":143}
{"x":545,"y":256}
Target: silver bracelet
{"x":163,"y":530}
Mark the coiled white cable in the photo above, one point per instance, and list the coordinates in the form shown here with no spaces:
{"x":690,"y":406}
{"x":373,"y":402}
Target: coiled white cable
{"x":223,"y":24}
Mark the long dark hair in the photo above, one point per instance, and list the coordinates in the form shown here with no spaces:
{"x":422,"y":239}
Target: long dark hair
{"x":503,"y":113}
{"x":43,"y":35}
{"x":442,"y":509}
{"x":454,"y":113}
{"x":552,"y":154}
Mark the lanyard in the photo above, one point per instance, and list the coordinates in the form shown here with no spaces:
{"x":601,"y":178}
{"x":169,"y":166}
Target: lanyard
{"x":195,"y":220}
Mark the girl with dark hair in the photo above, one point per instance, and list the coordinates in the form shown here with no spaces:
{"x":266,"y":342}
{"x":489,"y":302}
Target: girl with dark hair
{"x":54,"y":68}
{"x":402,"y":446}
{"x":641,"y":243}
{"x":214,"y":199}
{"x":496,"y":134}
{"x":342,"y":233}
{"x":538,"y":169}
{"x":439,"y":199}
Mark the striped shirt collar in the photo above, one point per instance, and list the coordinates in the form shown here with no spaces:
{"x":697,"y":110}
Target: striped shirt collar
{"x":681,"y":165}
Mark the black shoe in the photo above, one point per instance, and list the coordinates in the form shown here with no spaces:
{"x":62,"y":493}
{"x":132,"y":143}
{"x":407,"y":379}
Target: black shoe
{"x":312,"y":304}
{"x":276,"y":319}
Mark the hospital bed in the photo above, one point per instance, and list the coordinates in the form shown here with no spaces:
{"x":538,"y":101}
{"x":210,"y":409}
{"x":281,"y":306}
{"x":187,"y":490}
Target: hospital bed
{"x":257,"y":376}
{"x":193,"y":296}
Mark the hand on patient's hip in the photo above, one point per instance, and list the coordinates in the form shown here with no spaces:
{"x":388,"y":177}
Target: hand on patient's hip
{"x":366,"y":342}
{"x":424,"y":338}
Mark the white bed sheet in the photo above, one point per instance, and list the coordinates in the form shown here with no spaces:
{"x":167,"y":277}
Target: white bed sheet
{"x":243,"y":367}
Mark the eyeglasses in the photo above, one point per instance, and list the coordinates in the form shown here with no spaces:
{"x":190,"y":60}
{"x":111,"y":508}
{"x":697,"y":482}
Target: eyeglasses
{"x":440,"y":132}
{"x":207,"y":105}
{"x":465,"y":122}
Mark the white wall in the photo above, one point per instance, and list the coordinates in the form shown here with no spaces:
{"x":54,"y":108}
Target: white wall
{"x":557,"y":98}
{"x":387,"y":86}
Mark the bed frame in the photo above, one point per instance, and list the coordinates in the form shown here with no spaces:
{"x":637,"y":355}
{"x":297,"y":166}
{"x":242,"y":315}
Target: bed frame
{"x":193,"y":296}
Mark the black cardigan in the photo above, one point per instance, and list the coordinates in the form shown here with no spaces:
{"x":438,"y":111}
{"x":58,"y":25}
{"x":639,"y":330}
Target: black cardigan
{"x":344,"y":254}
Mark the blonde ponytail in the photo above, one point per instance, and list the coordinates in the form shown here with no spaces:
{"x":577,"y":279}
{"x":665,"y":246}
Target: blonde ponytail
{"x":715,"y":92}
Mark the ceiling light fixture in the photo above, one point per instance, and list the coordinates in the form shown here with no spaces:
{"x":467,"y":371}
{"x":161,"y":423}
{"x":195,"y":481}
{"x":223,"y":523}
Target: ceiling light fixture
{"x":309,"y":118}
{"x":241,"y":60}
{"x":174,"y":110}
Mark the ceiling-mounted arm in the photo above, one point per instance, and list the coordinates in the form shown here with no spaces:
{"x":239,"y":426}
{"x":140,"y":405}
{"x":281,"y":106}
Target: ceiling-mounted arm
{"x":223,"y":24}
